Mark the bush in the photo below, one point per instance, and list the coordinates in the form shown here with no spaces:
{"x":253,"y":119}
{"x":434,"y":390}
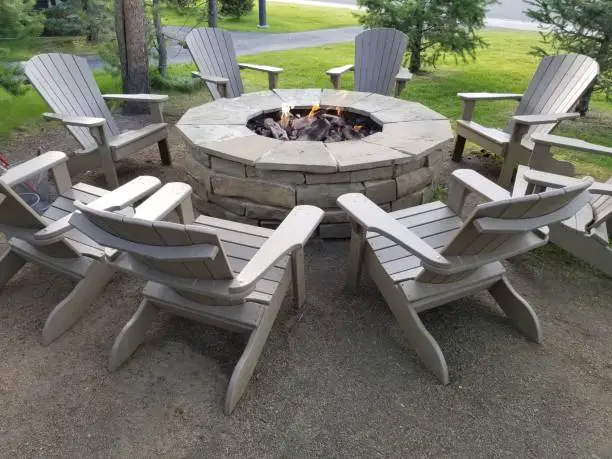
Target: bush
{"x":236,"y":8}
{"x":66,"y":19}
{"x":90,"y":18}
{"x":18,"y":19}
{"x":12,"y":79}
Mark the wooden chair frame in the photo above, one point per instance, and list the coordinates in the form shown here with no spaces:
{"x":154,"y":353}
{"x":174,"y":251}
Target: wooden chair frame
{"x":433,"y":234}
{"x":66,"y":83}
{"x":587,"y":234}
{"x":555,"y":89}
{"x":49,"y":241}
{"x":378,"y":57}
{"x":171,"y":257}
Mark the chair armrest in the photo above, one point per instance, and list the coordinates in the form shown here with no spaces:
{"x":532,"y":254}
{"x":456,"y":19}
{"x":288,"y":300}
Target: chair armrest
{"x":260,"y":68}
{"x":473,"y":181}
{"x":532,"y":120}
{"x":340,"y":70}
{"x":210,"y":78}
{"x":403,"y":75}
{"x":163,"y":201}
{"x":548,"y":180}
{"x":33,"y":167}
{"x":293,"y":233}
{"x":474,"y":96}
{"x":601,"y":188}
{"x":151,"y":98}
{"x":117,"y":199}
{"x":372,"y":218}
{"x":81,"y":121}
{"x":573,"y":144}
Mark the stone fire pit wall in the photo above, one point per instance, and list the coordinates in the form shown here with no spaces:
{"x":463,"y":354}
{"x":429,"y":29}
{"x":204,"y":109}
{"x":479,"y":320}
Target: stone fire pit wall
{"x":239,"y":175}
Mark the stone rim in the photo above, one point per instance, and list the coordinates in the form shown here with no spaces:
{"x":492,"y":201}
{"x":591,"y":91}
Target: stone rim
{"x":219,"y":129}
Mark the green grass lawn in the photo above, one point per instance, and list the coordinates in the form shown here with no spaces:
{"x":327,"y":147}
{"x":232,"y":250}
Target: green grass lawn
{"x":280,"y":17}
{"x":13,"y":50}
{"x":506,"y":66}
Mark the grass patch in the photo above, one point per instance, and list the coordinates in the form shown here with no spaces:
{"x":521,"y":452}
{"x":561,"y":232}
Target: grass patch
{"x":14,"y":50}
{"x":281,"y":18}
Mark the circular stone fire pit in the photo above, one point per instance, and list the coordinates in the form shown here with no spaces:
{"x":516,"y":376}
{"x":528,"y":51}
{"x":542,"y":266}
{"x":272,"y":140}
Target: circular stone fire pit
{"x":241,"y":175}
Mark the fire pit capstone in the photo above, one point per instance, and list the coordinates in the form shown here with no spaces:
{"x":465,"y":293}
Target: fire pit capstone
{"x":240,"y":175}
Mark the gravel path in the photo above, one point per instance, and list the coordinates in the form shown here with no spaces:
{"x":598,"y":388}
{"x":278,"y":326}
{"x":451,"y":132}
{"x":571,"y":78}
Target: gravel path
{"x":337,"y":378}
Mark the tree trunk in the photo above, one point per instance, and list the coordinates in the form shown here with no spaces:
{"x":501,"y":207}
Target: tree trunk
{"x":415,"y":44}
{"x":162,"y":52}
{"x":130,"y":27}
{"x":213,"y":13}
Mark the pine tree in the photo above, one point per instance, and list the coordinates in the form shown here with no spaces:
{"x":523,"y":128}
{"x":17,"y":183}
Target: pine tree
{"x":434,"y":27}
{"x":578,"y":26}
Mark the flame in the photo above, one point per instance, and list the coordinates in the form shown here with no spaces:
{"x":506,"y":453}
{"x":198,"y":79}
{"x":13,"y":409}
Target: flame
{"x":357,"y":127}
{"x":340,"y":112}
{"x":285,"y":114}
{"x":313,"y":110}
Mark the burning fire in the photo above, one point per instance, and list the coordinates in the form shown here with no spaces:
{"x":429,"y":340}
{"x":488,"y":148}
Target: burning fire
{"x":357,"y":127}
{"x":339,"y":111}
{"x":285,"y":114}
{"x":313,"y":110}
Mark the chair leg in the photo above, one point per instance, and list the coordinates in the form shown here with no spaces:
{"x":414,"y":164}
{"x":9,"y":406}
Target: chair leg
{"x":516,"y":308}
{"x":298,"y":277}
{"x":458,"y":150}
{"x":10,"y":264}
{"x":246,"y":365}
{"x":507,"y":171}
{"x":426,"y":346}
{"x":164,"y":152}
{"x":132,"y":334}
{"x":69,"y":310}
{"x":356,"y":254}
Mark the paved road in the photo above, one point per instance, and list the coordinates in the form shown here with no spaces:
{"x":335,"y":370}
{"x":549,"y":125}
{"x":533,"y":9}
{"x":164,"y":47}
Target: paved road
{"x":507,"y":14}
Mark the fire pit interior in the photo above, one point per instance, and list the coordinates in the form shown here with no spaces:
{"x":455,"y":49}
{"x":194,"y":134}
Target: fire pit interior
{"x":326,"y":124}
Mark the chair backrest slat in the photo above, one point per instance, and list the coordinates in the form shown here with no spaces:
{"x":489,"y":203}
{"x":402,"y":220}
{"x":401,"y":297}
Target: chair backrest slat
{"x":556,"y":87}
{"x":543,"y":208}
{"x":213,"y":52}
{"x":18,"y":216}
{"x":378,"y":58}
{"x":143,"y":239}
{"x":67,"y":84}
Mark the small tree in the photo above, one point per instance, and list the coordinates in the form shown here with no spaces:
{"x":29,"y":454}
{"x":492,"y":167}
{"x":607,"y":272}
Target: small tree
{"x":235,"y":8}
{"x":434,"y":27}
{"x":583,"y":27}
{"x":18,"y":19}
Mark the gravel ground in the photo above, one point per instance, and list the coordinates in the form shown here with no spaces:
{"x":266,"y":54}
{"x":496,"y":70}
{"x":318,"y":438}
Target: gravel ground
{"x":336,"y":379}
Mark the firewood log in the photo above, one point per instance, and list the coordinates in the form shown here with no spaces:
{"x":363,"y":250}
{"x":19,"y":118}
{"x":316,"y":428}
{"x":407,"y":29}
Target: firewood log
{"x":316,"y":131}
{"x":277,"y":131}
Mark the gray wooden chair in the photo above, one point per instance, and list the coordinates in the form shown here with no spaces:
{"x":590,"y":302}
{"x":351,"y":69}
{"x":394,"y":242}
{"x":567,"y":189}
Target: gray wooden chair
{"x":378,"y":60}
{"x":48,"y":241}
{"x":425,"y":256}
{"x":68,"y":86}
{"x":586,"y":234}
{"x":556,"y":87}
{"x":219,"y":272}
{"x":213,"y":52}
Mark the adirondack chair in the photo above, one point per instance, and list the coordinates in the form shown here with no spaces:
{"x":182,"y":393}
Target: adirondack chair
{"x":67,"y":84}
{"x":556,"y":87}
{"x":219,"y":272}
{"x":213,"y":52}
{"x":425,"y":256}
{"x":586,"y":234}
{"x":48,"y":240}
{"x":378,"y":60}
